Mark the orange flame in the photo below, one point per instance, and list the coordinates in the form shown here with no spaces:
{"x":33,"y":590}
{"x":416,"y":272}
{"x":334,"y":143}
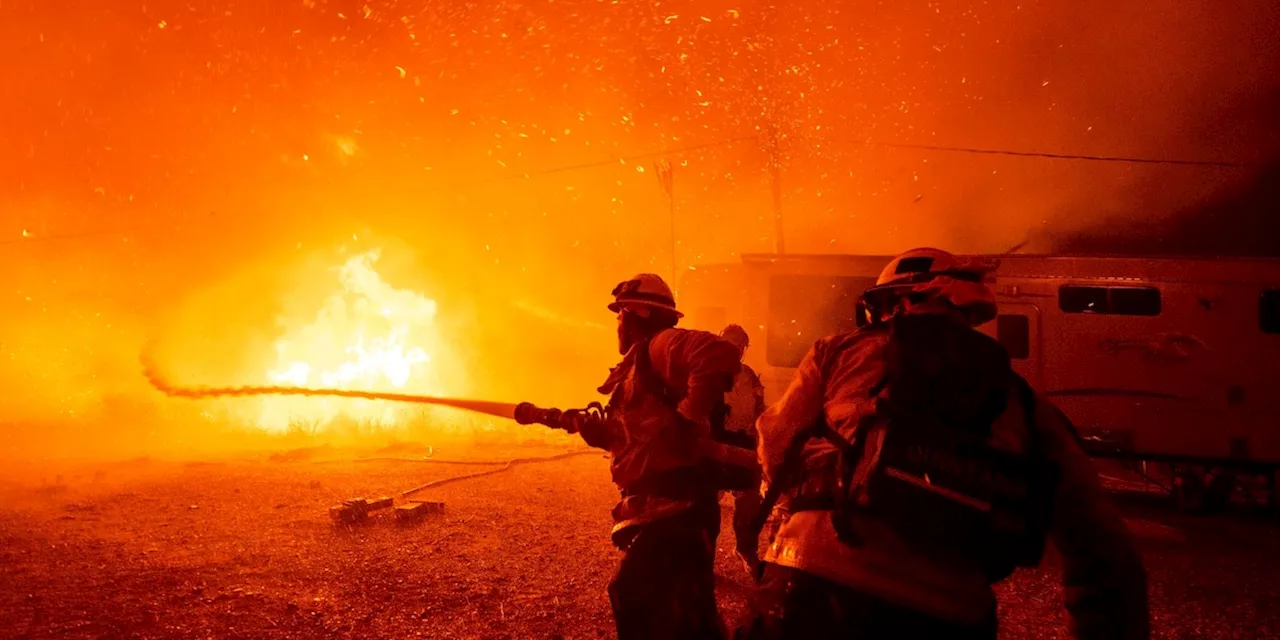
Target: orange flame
{"x":368,"y":336}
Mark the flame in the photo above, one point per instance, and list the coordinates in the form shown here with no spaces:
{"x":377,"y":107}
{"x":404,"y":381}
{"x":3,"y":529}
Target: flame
{"x":367,"y":336}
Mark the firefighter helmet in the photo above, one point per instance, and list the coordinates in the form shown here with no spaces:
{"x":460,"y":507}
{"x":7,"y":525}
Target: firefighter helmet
{"x":737,"y":336}
{"x":926,"y":273}
{"x":644,"y":290}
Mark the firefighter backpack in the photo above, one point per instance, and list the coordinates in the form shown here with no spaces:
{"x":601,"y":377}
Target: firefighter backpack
{"x":923,"y":462}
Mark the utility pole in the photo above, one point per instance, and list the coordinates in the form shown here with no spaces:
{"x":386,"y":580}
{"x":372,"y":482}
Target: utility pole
{"x":775,"y":175}
{"x":666,"y":179}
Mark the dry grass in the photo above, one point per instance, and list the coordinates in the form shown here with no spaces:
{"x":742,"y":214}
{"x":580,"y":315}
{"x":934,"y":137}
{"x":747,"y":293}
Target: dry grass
{"x":243,"y":548}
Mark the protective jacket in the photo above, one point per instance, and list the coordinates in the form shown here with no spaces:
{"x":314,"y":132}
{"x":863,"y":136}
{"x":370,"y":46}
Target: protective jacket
{"x":1103,"y":578}
{"x":662,"y":396}
{"x":745,"y":403}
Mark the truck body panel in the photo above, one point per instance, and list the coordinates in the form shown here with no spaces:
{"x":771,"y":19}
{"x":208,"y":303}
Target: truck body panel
{"x":1173,"y":359}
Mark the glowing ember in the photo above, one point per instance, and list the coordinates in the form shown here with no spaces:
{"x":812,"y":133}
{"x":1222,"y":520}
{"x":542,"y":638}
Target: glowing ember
{"x":369,"y":336}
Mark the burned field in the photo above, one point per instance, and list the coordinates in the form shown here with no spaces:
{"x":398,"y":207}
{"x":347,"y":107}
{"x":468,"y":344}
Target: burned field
{"x":245,"y":548}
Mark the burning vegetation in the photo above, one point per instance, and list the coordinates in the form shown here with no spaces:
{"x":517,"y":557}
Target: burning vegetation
{"x":368,"y":336}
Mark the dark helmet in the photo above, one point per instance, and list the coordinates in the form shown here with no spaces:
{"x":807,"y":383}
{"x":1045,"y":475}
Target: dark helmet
{"x":645,"y":290}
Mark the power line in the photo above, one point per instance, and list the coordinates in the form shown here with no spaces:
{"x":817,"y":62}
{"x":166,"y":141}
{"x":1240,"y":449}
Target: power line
{"x":1068,"y":156}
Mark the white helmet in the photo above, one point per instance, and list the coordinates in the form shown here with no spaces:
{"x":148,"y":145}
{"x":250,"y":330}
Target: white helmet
{"x":645,"y":290}
{"x":927,"y":273}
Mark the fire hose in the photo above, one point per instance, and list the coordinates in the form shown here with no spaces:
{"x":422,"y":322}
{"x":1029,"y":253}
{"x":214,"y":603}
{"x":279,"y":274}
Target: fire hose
{"x":499,"y":409}
{"x":505,"y":467}
{"x":591,"y":422}
{"x":523,"y":413}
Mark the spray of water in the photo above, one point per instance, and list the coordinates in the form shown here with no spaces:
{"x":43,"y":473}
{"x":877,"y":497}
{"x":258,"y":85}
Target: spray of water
{"x":150,"y":372}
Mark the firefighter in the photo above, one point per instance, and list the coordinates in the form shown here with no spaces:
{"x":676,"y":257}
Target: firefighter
{"x":665,"y":463}
{"x":744,"y":404}
{"x":746,"y":399}
{"x":875,"y":548}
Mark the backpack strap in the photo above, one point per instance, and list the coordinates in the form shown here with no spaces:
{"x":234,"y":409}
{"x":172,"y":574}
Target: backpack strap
{"x":850,"y":455}
{"x":650,"y":380}
{"x":1047,"y":481}
{"x":1027,"y":398}
{"x":789,"y":471}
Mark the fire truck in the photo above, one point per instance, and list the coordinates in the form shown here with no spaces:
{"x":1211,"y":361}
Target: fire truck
{"x":1165,"y":364}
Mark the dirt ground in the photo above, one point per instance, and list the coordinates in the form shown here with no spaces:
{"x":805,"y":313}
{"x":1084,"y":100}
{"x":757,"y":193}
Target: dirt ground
{"x":244,"y":548}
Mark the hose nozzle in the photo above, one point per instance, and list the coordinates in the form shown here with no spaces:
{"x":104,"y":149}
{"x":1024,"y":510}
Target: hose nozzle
{"x":528,"y":413}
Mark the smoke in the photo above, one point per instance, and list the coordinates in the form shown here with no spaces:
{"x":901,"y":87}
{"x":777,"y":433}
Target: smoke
{"x":1169,"y":80}
{"x":1234,"y":222}
{"x":177,"y":166}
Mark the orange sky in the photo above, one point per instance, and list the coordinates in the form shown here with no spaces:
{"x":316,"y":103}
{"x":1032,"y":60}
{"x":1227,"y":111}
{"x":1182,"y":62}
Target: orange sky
{"x":233,"y":145}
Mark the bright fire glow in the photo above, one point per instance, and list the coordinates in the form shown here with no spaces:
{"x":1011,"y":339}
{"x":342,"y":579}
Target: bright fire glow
{"x":366,"y":336}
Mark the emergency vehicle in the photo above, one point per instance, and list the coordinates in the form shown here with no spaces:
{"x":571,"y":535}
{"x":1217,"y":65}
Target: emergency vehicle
{"x":1171,"y":361}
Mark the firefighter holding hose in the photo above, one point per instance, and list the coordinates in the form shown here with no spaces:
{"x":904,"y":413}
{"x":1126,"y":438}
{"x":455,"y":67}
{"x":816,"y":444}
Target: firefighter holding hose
{"x":665,"y":462}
